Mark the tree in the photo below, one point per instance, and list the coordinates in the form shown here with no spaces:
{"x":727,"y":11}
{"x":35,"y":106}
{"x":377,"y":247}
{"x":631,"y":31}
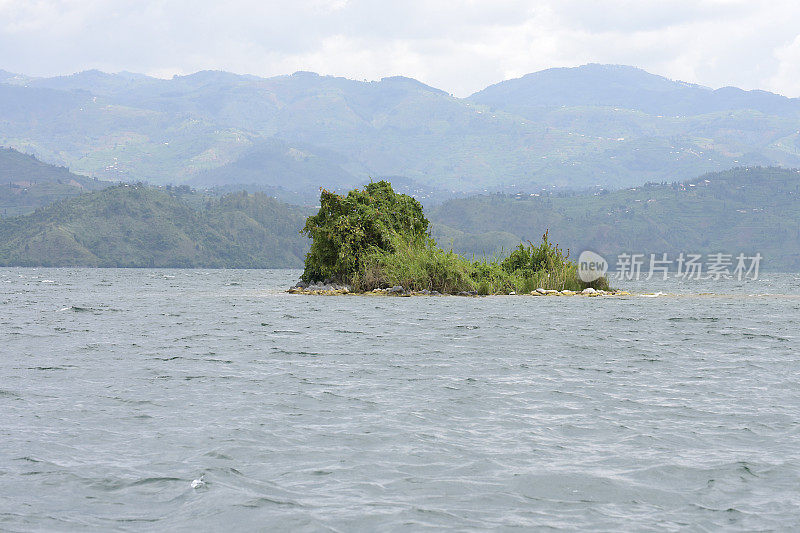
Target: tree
{"x":347,"y":227}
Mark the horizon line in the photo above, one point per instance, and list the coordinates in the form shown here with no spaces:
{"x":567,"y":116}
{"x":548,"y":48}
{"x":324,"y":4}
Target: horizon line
{"x":175,"y":76}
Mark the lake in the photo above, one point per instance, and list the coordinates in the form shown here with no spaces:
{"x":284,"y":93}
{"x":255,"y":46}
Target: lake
{"x":119,"y":387}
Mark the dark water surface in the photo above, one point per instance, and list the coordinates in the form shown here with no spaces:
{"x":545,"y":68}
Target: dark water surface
{"x":120,"y":387}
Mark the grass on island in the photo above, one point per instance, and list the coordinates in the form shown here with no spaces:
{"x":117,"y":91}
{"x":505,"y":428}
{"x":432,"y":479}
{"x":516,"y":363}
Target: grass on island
{"x":375,"y":238}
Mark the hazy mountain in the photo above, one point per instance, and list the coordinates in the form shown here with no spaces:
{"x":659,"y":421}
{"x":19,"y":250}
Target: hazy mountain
{"x":94,"y":81}
{"x":16,"y":167}
{"x":12,"y":78}
{"x":626,"y":87}
{"x":26,"y":183}
{"x":279,"y":168}
{"x":608,"y":125}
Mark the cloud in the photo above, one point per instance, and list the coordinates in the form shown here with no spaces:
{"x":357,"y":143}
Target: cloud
{"x":457,"y":45}
{"x":787,"y":75}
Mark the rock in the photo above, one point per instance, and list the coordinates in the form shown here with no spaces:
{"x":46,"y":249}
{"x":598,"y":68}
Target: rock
{"x":395,"y":290}
{"x":535,"y":293}
{"x":300,"y":285}
{"x":425,"y":291}
{"x":512,"y":293}
{"x":473,"y":293}
{"x":588,"y":290}
{"x":436,"y":293}
{"x":551,"y":291}
{"x":463,"y":293}
{"x":540,"y":290}
{"x":566,"y":292}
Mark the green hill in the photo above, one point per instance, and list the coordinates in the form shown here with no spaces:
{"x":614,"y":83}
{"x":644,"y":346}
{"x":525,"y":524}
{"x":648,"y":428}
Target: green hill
{"x":26,"y":183}
{"x":138,"y":226}
{"x":744,"y":210}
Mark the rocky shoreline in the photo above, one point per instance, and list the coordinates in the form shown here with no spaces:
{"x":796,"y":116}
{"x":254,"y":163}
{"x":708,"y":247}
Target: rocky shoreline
{"x":332,"y":289}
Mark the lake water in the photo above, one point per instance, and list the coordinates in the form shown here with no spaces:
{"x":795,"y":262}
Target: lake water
{"x":120,"y":387}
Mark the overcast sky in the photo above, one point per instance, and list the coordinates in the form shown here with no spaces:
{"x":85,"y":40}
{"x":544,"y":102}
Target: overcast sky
{"x":456,"y":45}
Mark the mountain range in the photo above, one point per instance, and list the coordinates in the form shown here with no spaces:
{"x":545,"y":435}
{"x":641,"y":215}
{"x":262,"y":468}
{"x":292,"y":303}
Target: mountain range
{"x":596,"y":125}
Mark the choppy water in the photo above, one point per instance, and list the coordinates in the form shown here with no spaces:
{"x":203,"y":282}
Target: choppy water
{"x":120,"y":387}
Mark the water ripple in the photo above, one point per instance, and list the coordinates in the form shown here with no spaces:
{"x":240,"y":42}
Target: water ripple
{"x":360,"y":413}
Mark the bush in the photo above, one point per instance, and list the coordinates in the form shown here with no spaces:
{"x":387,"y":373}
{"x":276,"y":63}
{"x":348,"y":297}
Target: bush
{"x":530,"y":259}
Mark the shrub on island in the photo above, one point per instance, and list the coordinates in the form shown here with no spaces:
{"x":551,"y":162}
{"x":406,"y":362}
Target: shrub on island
{"x":376,"y":238}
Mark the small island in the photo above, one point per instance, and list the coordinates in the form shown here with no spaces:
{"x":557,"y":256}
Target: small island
{"x":376,"y":241}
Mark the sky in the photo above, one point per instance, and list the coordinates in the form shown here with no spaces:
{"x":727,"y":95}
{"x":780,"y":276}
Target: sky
{"x":460,"y":46}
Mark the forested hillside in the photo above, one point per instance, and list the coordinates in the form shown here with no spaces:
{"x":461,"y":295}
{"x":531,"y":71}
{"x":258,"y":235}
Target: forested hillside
{"x":744,"y":210}
{"x":139,"y":226}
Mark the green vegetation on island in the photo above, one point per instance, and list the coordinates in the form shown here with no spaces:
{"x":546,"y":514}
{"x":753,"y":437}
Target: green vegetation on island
{"x":375,"y":238}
